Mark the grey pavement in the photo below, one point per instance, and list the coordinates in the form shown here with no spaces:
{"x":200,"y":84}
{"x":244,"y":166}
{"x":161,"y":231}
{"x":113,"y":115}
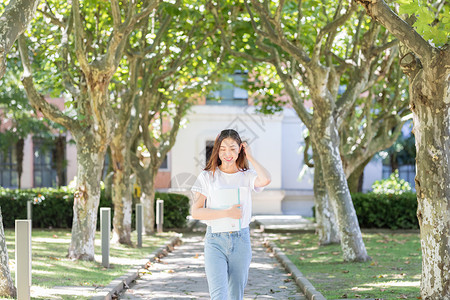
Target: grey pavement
{"x":181,"y":275}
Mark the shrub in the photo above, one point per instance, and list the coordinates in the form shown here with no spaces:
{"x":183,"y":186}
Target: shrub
{"x":393,"y":211}
{"x":176,"y":209}
{"x":51,"y":207}
{"x":54,"y":207}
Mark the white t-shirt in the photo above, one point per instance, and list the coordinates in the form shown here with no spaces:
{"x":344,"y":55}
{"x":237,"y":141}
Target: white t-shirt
{"x":206,"y":183}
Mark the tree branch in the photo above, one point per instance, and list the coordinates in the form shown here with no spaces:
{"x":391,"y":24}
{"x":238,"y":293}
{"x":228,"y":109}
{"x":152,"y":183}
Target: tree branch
{"x":161,"y":32}
{"x":331,"y":27}
{"x":279,"y":11}
{"x":297,"y":102}
{"x":13,"y":22}
{"x":279,"y":39}
{"x":406,"y":34}
{"x":227,"y":44}
{"x":63,"y":65}
{"x":115,"y":12}
{"x":52,"y":18}
{"x":117,"y":42}
{"x":79,"y":49}
{"x":37,"y":100}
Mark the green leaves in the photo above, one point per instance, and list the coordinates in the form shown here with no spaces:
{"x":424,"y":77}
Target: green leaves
{"x":432,"y":22}
{"x":392,"y":185}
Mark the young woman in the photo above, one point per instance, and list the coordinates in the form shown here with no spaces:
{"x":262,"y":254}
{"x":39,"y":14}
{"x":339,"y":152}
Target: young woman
{"x":228,"y":253}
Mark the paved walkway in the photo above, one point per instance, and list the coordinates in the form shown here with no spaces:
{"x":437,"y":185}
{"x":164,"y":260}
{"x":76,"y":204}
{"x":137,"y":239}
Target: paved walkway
{"x":181,"y":275}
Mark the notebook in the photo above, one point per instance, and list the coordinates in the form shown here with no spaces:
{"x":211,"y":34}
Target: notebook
{"x":224,"y":199}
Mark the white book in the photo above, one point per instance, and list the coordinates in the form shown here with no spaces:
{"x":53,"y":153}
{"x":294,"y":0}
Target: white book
{"x":224,"y":199}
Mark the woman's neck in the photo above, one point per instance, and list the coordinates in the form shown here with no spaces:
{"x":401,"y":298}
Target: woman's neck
{"x":228,"y":168}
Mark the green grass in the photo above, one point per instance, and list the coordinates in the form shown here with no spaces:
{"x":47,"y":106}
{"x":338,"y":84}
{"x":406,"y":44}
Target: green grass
{"x":51,"y":267}
{"x":393,"y":273}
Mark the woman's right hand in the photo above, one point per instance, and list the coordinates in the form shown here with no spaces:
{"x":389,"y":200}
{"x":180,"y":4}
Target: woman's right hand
{"x":235,"y":212}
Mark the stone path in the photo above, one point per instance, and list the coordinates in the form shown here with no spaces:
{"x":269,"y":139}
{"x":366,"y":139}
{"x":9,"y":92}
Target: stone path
{"x":181,"y":275}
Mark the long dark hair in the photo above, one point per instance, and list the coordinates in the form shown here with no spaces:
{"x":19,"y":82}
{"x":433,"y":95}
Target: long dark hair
{"x":214,"y":161}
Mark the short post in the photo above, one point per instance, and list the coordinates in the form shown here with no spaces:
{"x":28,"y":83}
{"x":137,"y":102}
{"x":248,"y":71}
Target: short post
{"x":23,"y":259}
{"x":139,"y":224}
{"x":29,"y":209}
{"x":105,"y":228}
{"x":159,"y":215}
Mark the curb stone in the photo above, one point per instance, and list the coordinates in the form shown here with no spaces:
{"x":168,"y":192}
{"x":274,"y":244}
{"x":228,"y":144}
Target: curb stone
{"x":307,"y":288}
{"x":121,"y":283}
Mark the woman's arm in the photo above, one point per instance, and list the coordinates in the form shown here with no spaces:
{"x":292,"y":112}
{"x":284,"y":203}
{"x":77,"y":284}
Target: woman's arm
{"x":263,"y":176}
{"x":199,"y":212}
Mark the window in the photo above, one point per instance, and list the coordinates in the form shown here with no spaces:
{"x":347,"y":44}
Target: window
{"x":165,"y":164}
{"x":45,"y":173}
{"x":230,"y":94}
{"x":8,"y":169}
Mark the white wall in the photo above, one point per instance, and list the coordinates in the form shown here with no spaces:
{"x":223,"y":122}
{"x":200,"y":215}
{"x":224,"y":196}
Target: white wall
{"x":296,"y":176}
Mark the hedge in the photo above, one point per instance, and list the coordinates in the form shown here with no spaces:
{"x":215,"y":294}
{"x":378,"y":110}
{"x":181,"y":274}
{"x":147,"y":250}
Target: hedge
{"x":53,"y":208}
{"x":386,"y":210}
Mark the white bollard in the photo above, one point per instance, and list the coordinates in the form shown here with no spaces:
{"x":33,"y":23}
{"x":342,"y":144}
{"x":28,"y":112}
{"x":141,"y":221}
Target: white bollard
{"x":139,"y":224}
{"x":23,"y":259}
{"x":105,"y":229}
{"x":159,"y":215}
{"x":29,"y":209}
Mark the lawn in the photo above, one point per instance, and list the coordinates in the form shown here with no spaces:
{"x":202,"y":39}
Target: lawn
{"x":393,"y":273}
{"x":51,"y":268}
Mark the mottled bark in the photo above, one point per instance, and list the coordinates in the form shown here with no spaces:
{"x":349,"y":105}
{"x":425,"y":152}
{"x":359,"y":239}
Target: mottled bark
{"x":90,"y":159}
{"x":13,"y":22}
{"x":326,"y":140}
{"x":431,"y":106}
{"x":7,"y":288}
{"x":327,"y":228}
{"x":121,"y":190}
{"x":428,"y":71}
{"x":146,"y":182}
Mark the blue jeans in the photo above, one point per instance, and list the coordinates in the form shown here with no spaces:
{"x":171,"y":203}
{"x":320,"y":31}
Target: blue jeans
{"x":227,"y":260}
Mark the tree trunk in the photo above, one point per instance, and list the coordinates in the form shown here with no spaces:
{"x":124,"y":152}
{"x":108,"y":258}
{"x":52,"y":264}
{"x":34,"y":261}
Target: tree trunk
{"x":393,"y":162}
{"x":7,"y":288}
{"x":327,"y":227}
{"x":59,"y":158}
{"x":146,"y":181}
{"x":108,"y":180}
{"x":19,"y":158}
{"x":326,"y":140}
{"x":431,"y":106}
{"x":90,"y":159}
{"x":355,"y":180}
{"x":121,"y":190}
